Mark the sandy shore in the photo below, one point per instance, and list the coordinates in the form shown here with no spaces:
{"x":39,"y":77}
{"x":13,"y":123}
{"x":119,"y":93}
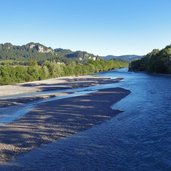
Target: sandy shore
{"x":54,"y":120}
{"x":12,"y":95}
{"x":53,"y":84}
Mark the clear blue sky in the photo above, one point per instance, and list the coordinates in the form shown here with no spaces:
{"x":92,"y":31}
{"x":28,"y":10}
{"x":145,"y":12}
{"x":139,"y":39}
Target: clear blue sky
{"x":99,"y":26}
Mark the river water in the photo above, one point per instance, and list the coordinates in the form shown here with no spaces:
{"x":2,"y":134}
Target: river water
{"x":137,"y":139}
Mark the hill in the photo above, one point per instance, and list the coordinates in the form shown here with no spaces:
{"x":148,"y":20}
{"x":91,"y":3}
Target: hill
{"x":40,"y":53}
{"x":126,"y":58}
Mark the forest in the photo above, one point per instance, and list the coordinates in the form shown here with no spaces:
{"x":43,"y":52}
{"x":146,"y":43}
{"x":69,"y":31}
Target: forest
{"x":11,"y":74}
{"x":40,"y":53}
{"x":157,"y":61}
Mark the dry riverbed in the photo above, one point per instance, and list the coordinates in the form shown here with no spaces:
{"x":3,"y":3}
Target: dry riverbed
{"x":54,"y":120}
{"x":53,"y":84}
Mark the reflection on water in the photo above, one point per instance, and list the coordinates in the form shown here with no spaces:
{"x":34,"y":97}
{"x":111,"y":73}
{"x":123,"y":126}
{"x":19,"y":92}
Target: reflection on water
{"x":137,"y":139}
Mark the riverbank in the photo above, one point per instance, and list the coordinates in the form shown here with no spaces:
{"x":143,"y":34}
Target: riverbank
{"x":53,"y":84}
{"x":57,"y":119}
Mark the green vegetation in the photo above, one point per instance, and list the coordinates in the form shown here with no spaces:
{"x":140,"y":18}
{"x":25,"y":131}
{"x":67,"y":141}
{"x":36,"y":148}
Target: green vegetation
{"x":10,"y":74}
{"x":40,"y":53}
{"x":35,"y":61}
{"x":158,"y":61}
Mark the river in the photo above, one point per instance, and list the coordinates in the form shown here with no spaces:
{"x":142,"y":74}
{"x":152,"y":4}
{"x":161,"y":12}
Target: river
{"x":137,"y":139}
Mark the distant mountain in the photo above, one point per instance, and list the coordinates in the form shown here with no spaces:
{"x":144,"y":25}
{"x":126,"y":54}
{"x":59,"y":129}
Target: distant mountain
{"x":127,"y":58}
{"x":40,"y":53}
{"x":157,"y":61}
{"x":81,"y":55}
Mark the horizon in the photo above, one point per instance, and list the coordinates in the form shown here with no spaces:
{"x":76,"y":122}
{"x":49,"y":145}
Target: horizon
{"x":101,"y":27}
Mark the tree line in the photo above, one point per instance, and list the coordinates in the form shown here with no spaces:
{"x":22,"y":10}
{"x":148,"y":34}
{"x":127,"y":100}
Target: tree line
{"x":10,"y":74}
{"x":158,"y":61}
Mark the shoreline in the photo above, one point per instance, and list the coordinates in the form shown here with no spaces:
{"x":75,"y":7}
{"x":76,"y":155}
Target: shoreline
{"x":56,"y":120}
{"x":62,"y":83}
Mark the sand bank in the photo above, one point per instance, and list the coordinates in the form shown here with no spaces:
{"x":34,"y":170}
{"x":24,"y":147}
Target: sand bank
{"x":55,"y":120}
{"x":53,"y":84}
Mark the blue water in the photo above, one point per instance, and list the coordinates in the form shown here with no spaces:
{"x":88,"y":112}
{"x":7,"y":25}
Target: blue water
{"x":138,"y":139}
